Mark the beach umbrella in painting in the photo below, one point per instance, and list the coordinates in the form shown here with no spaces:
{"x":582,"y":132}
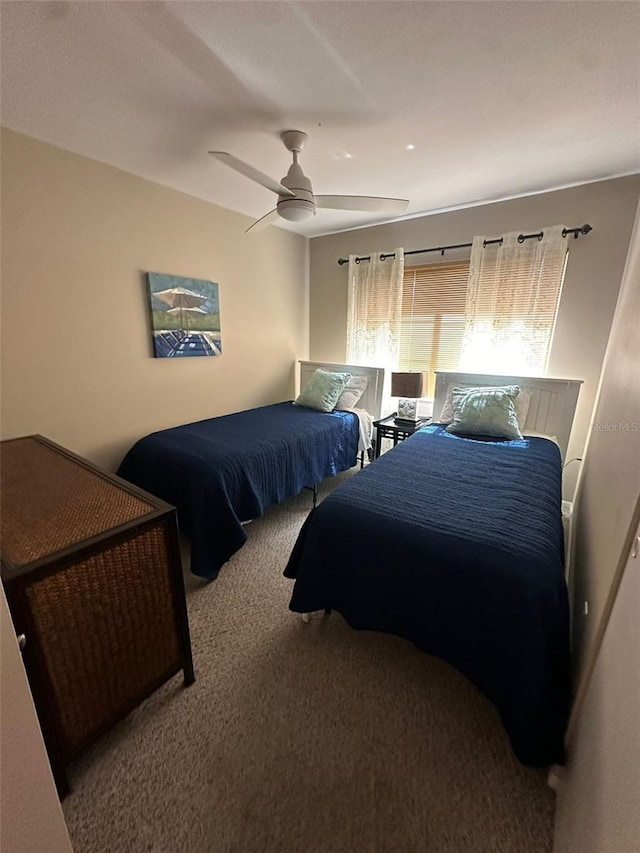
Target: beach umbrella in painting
{"x":184,"y":315}
{"x":181,"y":300}
{"x":180,"y":297}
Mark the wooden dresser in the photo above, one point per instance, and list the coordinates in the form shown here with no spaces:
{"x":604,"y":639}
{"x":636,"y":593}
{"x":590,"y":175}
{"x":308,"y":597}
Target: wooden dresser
{"x":92,"y":572}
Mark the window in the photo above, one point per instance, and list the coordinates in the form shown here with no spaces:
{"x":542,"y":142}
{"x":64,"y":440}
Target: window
{"x":493,"y":314}
{"x":433,"y":317}
{"x":512,"y":302}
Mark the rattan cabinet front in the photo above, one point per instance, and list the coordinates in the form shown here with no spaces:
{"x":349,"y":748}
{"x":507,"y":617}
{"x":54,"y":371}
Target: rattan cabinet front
{"x":92,"y":571}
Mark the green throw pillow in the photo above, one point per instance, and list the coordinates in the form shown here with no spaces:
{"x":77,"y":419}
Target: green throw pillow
{"x":322,"y":391}
{"x":485,"y":411}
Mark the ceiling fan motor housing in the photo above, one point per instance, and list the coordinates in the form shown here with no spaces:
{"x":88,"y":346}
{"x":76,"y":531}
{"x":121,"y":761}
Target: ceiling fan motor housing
{"x":303,"y":206}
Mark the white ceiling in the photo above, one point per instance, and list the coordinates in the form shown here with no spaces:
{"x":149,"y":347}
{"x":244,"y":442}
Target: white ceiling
{"x":499,"y":98}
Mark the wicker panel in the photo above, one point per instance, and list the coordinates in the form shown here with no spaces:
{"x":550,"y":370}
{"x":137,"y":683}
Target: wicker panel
{"x":107,"y":630}
{"x":49,"y":503}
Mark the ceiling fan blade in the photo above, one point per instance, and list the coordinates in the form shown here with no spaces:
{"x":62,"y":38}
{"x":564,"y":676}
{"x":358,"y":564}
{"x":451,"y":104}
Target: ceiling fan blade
{"x":267,"y":219}
{"x":363,"y":202}
{"x":251,"y":173}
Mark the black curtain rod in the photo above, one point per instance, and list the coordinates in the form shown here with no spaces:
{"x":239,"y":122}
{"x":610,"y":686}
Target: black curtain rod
{"x":584,"y":229}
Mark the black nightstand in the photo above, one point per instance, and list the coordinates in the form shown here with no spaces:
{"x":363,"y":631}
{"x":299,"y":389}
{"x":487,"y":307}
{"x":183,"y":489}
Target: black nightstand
{"x":388,"y":428}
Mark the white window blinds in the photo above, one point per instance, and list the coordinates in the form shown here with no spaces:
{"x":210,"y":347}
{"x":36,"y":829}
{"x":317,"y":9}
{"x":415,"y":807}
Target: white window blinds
{"x":433,"y":317}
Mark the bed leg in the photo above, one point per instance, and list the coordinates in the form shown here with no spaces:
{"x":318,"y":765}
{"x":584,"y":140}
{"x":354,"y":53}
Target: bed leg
{"x":361,"y":459}
{"x":315,"y":495}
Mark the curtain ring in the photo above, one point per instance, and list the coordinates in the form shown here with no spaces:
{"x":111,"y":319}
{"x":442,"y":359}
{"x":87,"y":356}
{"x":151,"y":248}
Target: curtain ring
{"x":540,"y":236}
{"x":564,"y":232}
{"x":520,"y":238}
{"x":383,"y":257}
{"x":357,"y":260}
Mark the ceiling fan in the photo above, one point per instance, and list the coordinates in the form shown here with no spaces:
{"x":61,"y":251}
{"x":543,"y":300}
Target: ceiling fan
{"x":296,"y":200}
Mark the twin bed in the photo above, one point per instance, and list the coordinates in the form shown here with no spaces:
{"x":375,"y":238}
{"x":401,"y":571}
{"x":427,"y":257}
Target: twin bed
{"x":455,"y":544}
{"x":224,"y":471}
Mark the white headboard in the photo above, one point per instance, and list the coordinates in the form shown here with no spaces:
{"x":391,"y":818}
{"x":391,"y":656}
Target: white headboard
{"x":552,"y":406}
{"x":371,"y":400}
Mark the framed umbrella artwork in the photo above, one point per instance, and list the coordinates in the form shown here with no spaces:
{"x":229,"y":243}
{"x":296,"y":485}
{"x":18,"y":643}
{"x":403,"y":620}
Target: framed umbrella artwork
{"x":185,"y":316}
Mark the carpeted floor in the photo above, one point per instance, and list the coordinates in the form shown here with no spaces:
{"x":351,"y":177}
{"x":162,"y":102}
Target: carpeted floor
{"x":304,"y":738}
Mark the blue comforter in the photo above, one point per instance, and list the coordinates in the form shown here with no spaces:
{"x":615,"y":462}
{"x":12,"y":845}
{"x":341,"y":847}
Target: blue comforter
{"x":456,"y":545}
{"x":226,"y":470}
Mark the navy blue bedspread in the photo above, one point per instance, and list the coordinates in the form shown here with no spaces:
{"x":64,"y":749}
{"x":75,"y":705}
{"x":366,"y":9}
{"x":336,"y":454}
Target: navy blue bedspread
{"x":222,"y":471}
{"x":456,"y":545}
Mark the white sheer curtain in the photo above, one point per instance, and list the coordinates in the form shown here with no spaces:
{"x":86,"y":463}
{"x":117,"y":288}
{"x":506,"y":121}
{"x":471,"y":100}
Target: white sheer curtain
{"x":512,"y":301}
{"x":374,"y":315}
{"x":374,"y":310}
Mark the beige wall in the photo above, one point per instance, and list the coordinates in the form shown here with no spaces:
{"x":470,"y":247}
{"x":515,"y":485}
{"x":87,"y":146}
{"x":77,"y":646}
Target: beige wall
{"x":32,"y":820}
{"x":77,"y":365}
{"x":591,"y":284}
{"x":599,"y":791}
{"x":609,"y":486}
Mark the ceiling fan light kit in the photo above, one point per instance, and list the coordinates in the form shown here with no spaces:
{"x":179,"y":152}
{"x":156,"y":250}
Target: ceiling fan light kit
{"x":296,"y":209}
{"x":296,"y":201}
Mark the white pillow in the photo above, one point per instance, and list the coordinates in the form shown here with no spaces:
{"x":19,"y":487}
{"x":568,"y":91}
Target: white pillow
{"x":485,"y":411}
{"x":322,"y":390}
{"x":351,"y":393}
{"x":521,"y":403}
